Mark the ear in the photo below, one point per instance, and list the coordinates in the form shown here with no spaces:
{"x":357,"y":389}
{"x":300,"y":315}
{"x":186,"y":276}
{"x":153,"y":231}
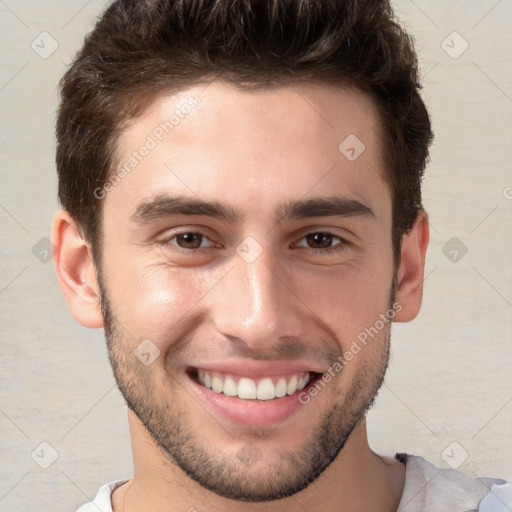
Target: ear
{"x":409,"y":291}
{"x":76,"y":272}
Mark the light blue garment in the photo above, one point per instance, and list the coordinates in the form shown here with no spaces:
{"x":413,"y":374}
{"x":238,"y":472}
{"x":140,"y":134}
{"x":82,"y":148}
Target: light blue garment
{"x":499,"y":499}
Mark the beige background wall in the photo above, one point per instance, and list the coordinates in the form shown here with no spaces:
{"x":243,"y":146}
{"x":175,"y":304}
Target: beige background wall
{"x":448,"y":394}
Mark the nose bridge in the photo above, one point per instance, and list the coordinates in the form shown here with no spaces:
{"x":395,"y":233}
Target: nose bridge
{"x":260,"y":301}
{"x":256,"y":304}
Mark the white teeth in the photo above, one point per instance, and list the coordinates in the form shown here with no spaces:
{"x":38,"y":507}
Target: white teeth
{"x":266,"y":390}
{"x":248,"y":389}
{"x":217,"y":384}
{"x":291,"y":387}
{"x":230,"y":387}
{"x":302,"y":382}
{"x":281,"y":388}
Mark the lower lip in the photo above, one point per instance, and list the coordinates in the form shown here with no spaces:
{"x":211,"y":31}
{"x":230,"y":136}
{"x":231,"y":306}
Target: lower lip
{"x":250,"y":412}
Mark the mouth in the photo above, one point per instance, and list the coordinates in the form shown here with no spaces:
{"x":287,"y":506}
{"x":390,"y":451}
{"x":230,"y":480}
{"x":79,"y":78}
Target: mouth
{"x":266,"y":388}
{"x":252,"y":397}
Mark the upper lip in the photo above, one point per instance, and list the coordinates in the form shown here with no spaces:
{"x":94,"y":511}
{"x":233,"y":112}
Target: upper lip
{"x":257,"y":370}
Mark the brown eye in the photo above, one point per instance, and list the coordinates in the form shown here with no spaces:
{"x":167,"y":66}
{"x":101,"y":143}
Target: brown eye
{"x":189,"y":240}
{"x":323,"y":242}
{"x":320,"y":240}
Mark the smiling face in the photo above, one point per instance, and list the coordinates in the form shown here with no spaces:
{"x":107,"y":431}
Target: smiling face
{"x":243,"y":254}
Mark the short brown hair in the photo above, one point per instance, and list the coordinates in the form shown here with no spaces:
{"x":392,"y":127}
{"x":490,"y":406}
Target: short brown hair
{"x":140,"y":48}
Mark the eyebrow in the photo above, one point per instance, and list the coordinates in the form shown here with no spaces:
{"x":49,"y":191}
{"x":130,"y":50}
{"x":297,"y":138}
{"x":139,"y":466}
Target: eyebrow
{"x":163,"y":206}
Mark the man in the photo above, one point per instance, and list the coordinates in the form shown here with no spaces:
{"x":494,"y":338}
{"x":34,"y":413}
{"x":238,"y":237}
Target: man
{"x":242,"y":214}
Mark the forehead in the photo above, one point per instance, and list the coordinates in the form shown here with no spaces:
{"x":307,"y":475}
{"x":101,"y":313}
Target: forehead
{"x":219,"y":142}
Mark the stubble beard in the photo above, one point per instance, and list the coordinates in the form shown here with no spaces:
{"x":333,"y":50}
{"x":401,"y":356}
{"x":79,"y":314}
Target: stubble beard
{"x":235,"y":477}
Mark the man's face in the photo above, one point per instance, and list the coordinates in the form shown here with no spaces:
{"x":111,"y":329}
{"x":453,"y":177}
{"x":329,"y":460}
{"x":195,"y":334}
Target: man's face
{"x":256,"y":300}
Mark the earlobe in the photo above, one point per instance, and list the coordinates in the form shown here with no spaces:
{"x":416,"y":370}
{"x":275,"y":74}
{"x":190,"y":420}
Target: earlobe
{"x":76,"y":272}
{"x":410,"y":275}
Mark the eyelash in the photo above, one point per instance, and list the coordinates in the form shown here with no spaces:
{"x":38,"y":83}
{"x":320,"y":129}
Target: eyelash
{"x":329,"y":250}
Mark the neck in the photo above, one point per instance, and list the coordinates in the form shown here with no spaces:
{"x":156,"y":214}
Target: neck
{"x":357,"y":480}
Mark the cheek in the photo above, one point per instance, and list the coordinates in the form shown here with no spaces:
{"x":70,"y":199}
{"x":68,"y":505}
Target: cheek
{"x":357,"y":317}
{"x":348,"y":299}
{"x":157,"y":302}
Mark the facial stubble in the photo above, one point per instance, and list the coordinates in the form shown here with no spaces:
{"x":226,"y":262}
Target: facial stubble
{"x":243,"y":478}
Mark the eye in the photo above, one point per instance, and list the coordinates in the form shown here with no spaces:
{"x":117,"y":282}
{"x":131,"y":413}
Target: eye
{"x":322,"y":242}
{"x":191,"y":241}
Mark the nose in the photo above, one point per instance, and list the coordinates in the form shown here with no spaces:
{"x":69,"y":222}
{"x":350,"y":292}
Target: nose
{"x":258,"y":303}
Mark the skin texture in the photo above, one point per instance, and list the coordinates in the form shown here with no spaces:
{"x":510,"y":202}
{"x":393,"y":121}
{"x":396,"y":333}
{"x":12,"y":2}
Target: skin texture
{"x":253,"y":152}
